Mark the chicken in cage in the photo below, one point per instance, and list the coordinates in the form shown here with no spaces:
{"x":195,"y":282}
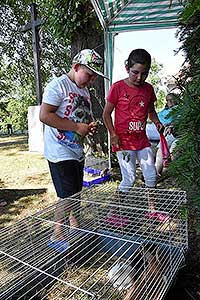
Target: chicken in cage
{"x":118,"y":250}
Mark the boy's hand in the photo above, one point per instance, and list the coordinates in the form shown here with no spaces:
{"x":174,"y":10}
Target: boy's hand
{"x":115,"y":141}
{"x":82,"y":129}
{"x":168,"y":130}
{"x":92,"y":128}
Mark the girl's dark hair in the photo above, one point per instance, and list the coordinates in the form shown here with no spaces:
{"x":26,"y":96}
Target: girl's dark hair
{"x":174,"y":97}
{"x":139,"y":56}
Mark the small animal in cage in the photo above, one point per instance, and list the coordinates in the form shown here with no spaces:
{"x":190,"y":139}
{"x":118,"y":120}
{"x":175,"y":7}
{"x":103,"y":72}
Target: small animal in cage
{"x":122,"y":275}
{"x":130,"y":275}
{"x":118,"y":256}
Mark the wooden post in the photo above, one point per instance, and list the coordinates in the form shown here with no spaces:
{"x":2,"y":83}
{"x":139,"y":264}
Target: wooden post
{"x":34,"y":25}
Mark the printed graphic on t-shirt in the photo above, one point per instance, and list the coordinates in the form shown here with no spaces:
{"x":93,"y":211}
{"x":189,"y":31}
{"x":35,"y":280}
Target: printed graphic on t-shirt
{"x":138,"y":112}
{"x":78,"y":110}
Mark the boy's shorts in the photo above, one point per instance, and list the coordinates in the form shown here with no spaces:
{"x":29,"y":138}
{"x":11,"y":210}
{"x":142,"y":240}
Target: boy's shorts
{"x":67,"y":177}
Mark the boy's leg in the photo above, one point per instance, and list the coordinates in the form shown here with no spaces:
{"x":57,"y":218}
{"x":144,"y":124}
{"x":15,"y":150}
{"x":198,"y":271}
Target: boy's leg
{"x":67,"y":178}
{"x":127,"y":163}
{"x":159,"y":162}
{"x":172,"y":152}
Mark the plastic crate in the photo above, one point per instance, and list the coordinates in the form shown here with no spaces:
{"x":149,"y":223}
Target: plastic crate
{"x":96,"y":177}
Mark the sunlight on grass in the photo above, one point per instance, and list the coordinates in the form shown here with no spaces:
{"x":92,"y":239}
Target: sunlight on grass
{"x":25,"y":182}
{"x":21,"y":167}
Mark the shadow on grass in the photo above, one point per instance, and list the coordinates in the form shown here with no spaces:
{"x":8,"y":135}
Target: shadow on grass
{"x":19,"y":142}
{"x":17,"y":200}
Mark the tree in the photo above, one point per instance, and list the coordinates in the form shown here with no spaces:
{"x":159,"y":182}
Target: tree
{"x":154,"y":78}
{"x":16,"y":46}
{"x":68,"y":27}
{"x":186,"y":168}
{"x":75,"y":23}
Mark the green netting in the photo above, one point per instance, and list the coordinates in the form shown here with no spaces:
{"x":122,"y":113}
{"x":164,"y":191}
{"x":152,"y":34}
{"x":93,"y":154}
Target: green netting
{"x":121,"y":15}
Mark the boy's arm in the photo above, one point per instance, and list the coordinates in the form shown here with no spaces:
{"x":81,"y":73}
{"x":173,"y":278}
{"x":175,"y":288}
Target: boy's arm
{"x":49,"y":117}
{"x":109,"y":107}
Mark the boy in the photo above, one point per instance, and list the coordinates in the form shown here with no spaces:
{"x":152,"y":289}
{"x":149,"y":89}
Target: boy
{"x":67,"y":115}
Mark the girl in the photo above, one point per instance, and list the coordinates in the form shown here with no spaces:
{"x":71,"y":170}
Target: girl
{"x":132,"y":100}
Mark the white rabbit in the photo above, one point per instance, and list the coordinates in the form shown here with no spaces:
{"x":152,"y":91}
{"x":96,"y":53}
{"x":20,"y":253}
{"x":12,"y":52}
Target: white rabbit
{"x":121,"y":275}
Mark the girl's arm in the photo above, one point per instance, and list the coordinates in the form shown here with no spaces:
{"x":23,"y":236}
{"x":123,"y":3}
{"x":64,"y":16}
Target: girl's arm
{"x":154,"y":118}
{"x":109,"y":107}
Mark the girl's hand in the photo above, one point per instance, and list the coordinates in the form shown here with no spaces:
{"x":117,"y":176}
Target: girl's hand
{"x":115,"y":141}
{"x":160,"y":127}
{"x":168,"y":130}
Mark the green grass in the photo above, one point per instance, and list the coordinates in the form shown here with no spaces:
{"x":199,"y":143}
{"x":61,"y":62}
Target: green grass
{"x":25,"y":182}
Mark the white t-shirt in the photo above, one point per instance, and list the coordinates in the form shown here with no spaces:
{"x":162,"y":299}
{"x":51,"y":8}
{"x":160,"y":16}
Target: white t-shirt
{"x":74,"y":104}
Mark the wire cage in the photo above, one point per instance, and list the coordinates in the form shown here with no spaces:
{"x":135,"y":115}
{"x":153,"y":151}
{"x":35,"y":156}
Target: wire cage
{"x":119,"y":250}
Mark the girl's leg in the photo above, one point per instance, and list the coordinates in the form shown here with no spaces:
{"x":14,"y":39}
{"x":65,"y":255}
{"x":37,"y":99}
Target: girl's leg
{"x":146,"y":160}
{"x":127,"y":163}
{"x":171,"y":149}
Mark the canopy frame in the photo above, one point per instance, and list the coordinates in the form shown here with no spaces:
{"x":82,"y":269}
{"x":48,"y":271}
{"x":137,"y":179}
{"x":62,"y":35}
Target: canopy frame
{"x":118,"y":16}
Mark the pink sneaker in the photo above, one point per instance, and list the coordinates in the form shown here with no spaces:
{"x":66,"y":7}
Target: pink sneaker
{"x":151,"y":215}
{"x":116,"y":220}
{"x":161,"y":217}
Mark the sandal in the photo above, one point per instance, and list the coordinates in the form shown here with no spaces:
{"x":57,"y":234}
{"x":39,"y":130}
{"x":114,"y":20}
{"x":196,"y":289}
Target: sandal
{"x":59,"y":245}
{"x":162,"y":217}
{"x":151,"y":215}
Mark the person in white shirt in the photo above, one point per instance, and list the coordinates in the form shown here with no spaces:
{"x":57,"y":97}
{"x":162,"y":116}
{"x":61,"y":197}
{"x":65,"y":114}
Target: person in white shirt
{"x":67,"y":115}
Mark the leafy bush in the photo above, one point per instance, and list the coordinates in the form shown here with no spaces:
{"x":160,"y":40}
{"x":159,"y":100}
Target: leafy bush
{"x":186,"y":168}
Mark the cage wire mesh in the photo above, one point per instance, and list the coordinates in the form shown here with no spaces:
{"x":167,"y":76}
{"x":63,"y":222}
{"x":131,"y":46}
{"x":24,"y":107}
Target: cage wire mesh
{"x":97,"y":143}
{"x":116,"y":251}
{"x":96,"y":146}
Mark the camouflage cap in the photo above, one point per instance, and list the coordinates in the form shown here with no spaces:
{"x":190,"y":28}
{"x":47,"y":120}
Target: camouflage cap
{"x":92,"y":60}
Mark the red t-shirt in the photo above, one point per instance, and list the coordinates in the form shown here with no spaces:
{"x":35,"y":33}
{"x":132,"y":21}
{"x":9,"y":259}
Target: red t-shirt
{"x":131,"y":112}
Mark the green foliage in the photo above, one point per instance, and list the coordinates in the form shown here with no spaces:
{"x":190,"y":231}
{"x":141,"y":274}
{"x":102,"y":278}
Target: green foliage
{"x":154,"y":78}
{"x":17,"y":81}
{"x":68,"y":18}
{"x":189,"y":35}
{"x":155,"y":74}
{"x":63,"y":21}
{"x":5,"y":82}
{"x":190,"y":12}
{"x":161,"y":96}
{"x":16,"y":108}
{"x":186,"y":168}
{"x":16,"y":45}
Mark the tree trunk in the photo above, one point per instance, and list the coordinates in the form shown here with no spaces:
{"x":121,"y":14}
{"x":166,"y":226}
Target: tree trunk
{"x":93,"y":38}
